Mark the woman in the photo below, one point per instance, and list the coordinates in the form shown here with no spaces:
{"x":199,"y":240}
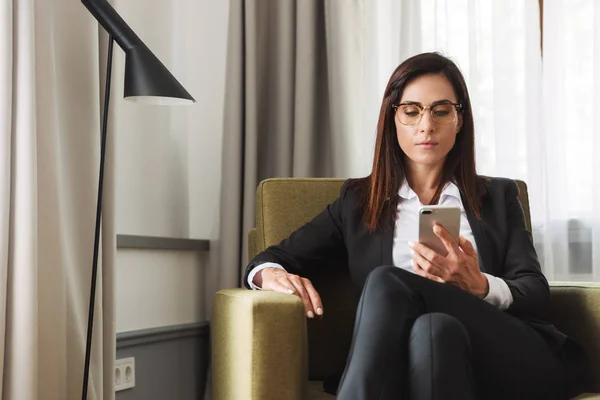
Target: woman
{"x":470,"y":324}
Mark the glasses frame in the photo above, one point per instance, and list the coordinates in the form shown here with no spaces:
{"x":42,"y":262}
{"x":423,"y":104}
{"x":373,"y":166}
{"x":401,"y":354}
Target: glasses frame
{"x":457,"y":106}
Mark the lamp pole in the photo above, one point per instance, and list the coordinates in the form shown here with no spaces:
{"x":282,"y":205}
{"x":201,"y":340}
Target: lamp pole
{"x":90,"y":325}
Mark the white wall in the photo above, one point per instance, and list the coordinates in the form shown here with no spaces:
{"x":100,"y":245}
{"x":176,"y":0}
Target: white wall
{"x":158,"y":288}
{"x":168,"y":161}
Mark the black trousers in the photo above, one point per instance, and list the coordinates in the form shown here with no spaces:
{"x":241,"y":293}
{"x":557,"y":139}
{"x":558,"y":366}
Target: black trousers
{"x":418,"y":339}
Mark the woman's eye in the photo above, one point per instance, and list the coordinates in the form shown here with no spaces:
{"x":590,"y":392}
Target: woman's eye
{"x":441,"y":113}
{"x":411,"y":113}
{"x":410,"y":110}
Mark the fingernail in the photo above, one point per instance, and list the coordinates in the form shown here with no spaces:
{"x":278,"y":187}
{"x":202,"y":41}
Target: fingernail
{"x":412,"y":252}
{"x":310,"y":314}
{"x":320,"y":311}
{"x":437,"y":229}
{"x":290,"y":291}
{"x":411,"y":244}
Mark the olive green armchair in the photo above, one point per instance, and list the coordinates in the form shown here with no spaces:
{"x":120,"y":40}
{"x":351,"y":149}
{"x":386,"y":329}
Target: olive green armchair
{"x":264,"y":348}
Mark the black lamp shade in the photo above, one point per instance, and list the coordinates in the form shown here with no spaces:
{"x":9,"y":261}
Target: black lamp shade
{"x":146,"y":78}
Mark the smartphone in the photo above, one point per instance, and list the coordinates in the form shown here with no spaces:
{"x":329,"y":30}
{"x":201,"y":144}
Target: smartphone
{"x":447,"y":216}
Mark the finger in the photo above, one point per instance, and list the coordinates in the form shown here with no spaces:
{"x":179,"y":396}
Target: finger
{"x":467,"y":247}
{"x":315,"y":299}
{"x":301,"y":292}
{"x":446,"y":238}
{"x":428,"y":266}
{"x":278,"y":286}
{"x":421,"y":272}
{"x":429,"y":254}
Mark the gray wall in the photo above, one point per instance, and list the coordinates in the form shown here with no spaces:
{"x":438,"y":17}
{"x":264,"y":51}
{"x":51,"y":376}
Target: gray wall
{"x":170,"y":363}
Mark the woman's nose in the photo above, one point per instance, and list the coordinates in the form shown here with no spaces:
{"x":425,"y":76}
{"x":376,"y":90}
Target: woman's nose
{"x":426,"y":124}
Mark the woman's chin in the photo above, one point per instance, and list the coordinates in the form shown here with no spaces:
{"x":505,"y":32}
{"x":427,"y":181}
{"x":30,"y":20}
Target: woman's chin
{"x":427,"y":159}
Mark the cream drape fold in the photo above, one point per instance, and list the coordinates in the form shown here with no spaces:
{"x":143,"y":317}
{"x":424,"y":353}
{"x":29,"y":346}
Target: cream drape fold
{"x":49,"y":160}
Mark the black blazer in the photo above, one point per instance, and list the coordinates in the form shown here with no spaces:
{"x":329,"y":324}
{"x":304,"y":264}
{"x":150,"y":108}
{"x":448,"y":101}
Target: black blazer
{"x":504,"y":245}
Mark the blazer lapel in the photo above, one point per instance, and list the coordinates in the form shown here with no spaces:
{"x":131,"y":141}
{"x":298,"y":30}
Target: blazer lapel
{"x":386,"y":238}
{"x":387,"y":243}
{"x":481,"y":239}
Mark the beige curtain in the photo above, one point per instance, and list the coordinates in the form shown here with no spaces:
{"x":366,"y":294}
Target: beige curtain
{"x":286,"y":65}
{"x":49,"y":159}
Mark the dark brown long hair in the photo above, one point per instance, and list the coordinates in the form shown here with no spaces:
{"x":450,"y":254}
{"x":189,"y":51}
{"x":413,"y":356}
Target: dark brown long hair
{"x":378,"y":191}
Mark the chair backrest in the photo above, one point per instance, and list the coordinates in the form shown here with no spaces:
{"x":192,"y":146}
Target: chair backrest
{"x":282,"y":206}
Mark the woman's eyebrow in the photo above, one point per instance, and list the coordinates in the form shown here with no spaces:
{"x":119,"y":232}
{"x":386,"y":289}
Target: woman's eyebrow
{"x":443,"y":101}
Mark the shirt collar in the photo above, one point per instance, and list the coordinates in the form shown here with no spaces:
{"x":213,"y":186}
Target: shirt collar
{"x":406,"y":192}
{"x":450,"y":190}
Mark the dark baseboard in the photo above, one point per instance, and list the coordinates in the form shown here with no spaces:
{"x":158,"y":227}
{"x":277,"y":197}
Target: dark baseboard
{"x":161,"y":243}
{"x":161,"y":334}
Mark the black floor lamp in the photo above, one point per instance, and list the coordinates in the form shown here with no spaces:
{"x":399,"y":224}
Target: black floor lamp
{"x":146,"y":80}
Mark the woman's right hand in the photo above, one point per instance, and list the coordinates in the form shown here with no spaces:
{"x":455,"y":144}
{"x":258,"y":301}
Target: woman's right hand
{"x":279,"y":280}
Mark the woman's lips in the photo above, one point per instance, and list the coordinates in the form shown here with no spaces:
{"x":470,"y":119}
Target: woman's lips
{"x":427,"y":145}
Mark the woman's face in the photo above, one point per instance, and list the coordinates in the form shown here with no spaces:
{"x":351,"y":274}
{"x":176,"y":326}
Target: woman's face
{"x":427,"y":142}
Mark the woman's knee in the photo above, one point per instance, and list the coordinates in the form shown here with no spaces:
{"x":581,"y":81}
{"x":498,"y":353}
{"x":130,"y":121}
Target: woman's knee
{"x":441,"y":329}
{"x":382,"y":271}
{"x":440,"y":358}
{"x":385,"y":285}
{"x":383,"y":275}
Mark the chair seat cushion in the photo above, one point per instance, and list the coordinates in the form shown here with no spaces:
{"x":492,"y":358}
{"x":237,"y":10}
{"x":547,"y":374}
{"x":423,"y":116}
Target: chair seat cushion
{"x":315,"y":391}
{"x":588,"y":396}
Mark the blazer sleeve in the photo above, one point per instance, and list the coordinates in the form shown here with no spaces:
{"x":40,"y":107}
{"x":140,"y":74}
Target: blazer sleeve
{"x":522,"y":271}
{"x":313,"y":245}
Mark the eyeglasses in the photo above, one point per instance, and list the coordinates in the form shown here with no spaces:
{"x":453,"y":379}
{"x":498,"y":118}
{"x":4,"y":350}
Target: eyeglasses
{"x":442,"y":113}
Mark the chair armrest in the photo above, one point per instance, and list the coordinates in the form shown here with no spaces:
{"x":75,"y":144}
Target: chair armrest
{"x":259,"y":346}
{"x":575,"y":311}
{"x":255,"y":245}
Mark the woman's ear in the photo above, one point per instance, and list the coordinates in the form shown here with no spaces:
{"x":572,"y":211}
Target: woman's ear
{"x":460,"y":123}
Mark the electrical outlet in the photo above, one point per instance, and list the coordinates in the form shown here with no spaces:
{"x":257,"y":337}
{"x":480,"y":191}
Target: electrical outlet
{"x":124,"y":374}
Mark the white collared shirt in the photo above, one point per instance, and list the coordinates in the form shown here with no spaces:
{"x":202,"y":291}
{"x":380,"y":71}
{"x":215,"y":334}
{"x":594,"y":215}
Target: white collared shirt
{"x":406,"y":230}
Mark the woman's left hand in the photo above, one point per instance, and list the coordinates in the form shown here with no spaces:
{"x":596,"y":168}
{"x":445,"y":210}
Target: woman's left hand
{"x":459,"y":268}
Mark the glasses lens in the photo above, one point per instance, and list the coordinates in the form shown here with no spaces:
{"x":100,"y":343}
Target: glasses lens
{"x":409,"y":114}
{"x":443,"y":114}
